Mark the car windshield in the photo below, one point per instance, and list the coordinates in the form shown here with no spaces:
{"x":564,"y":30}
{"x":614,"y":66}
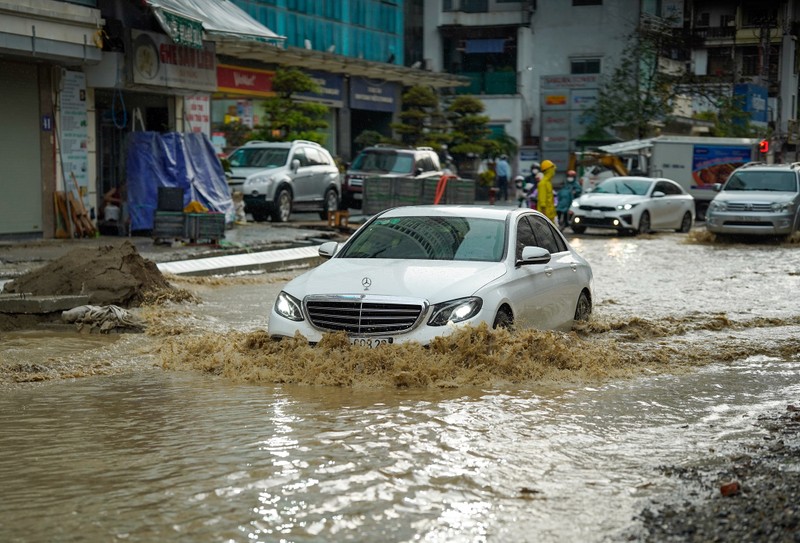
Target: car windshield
{"x":383,"y":162}
{"x":255,"y":157}
{"x":619,"y":185}
{"x":761,"y":180}
{"x":429,"y":238}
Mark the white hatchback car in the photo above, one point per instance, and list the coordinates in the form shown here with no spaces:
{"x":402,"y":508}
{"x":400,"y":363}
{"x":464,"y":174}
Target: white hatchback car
{"x":413,"y":273}
{"x":633,"y":204}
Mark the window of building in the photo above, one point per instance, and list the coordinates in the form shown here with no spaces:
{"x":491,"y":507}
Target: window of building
{"x":584,"y":65}
{"x":587,"y":2}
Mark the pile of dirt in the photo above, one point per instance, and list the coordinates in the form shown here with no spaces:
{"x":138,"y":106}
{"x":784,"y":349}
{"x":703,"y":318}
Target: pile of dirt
{"x":115,"y":275}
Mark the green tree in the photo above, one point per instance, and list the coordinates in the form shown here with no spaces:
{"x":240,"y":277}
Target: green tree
{"x":422,"y":122}
{"x":287,"y":119}
{"x":730,"y":121}
{"x":636,"y":94}
{"x":469,"y":134}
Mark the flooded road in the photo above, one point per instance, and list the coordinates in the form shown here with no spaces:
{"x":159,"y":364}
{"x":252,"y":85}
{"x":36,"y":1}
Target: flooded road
{"x":204,"y":431}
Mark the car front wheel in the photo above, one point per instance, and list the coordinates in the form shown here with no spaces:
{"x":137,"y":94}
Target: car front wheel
{"x":503,"y":319}
{"x":644,"y":223}
{"x":330,"y":203}
{"x":686,"y":223}
{"x":584,"y":307}
{"x":283,"y":206}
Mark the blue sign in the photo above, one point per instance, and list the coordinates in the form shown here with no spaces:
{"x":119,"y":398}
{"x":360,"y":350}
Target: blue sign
{"x":331,"y":89}
{"x":753,"y":99}
{"x":47,"y":123}
{"x":374,"y":95}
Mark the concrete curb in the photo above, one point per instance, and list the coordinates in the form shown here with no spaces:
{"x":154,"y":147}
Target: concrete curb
{"x":265,"y":260}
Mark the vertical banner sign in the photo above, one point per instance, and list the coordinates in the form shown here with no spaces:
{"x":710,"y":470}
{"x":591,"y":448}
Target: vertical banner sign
{"x":74,"y":133}
{"x":198,"y":113}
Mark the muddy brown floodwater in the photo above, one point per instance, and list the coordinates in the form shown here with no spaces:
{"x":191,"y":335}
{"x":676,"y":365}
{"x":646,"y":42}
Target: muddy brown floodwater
{"x":204,"y":430}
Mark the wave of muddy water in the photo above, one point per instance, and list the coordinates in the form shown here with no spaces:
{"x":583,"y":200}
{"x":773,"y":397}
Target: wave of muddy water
{"x":531,"y":436}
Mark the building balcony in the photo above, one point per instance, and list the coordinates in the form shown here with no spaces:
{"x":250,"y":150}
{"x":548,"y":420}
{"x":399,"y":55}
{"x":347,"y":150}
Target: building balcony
{"x":489,"y":83}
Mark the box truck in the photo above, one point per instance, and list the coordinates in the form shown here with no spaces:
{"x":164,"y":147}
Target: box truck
{"x":696,"y":163}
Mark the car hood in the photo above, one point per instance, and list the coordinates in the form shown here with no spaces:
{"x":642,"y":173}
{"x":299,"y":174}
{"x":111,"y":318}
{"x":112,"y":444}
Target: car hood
{"x":755,"y":196}
{"x":435,"y":281}
{"x":599,"y":199}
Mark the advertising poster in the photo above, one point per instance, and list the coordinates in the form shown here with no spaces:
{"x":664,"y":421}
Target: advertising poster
{"x":713,"y":164}
{"x":159,"y":62}
{"x":74,"y":132}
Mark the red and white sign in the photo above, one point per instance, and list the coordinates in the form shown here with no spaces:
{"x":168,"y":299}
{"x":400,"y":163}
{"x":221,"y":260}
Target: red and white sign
{"x":198,"y":113}
{"x":244,"y":81}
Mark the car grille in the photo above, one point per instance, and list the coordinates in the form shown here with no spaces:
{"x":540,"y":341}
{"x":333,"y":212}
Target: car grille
{"x":362,"y":315}
{"x":596,"y":221}
{"x":585,"y":207}
{"x":739,"y":206}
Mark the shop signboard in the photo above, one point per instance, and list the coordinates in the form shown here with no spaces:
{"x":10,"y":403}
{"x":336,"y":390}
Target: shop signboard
{"x":244,"y":81}
{"x":198,"y":113}
{"x":331,"y":89}
{"x":157,"y":61}
{"x":374,"y":95}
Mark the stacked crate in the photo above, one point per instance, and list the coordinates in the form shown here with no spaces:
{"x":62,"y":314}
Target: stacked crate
{"x":205,"y":227}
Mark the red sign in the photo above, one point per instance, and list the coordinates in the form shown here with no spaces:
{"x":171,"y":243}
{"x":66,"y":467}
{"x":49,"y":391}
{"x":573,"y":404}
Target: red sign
{"x":245,"y":81}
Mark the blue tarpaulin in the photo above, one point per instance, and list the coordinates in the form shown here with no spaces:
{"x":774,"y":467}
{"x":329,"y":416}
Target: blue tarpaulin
{"x":174,"y":159}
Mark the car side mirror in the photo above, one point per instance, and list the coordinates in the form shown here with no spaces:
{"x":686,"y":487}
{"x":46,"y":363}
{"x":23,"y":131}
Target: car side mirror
{"x":328,"y":249}
{"x":534,"y":255}
{"x":717,"y":187}
{"x":658,"y":194}
{"x":295,"y":164}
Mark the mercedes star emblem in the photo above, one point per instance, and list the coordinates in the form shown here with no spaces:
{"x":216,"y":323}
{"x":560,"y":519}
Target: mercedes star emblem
{"x":366,"y":283}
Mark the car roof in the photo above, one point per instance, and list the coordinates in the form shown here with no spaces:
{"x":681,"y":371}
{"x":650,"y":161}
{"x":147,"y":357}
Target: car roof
{"x":760,"y":166}
{"x":467,"y":211}
{"x":635,"y":178}
{"x":279,"y":144}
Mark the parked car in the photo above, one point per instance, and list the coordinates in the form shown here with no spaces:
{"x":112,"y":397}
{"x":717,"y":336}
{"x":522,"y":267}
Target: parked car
{"x":413,"y":273}
{"x":757,"y":199}
{"x":634,"y":204}
{"x":389,"y":161}
{"x":277,"y":178}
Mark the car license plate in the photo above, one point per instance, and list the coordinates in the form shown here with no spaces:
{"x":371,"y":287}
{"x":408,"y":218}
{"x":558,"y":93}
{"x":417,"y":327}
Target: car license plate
{"x":358,"y":196}
{"x":371,"y":342}
{"x":596,"y":214}
{"x":745,"y":218}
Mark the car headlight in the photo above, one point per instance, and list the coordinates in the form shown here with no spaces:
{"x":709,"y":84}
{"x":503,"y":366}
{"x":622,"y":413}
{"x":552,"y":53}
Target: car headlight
{"x":265,"y":180}
{"x":576,"y":203}
{"x":780,"y":207}
{"x":455,"y":311}
{"x":288,"y":306}
{"x":717,"y":206}
{"x":626,"y":207}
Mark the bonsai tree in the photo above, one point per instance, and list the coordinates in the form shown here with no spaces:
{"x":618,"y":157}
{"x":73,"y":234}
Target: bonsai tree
{"x":287,"y":119}
{"x":422,"y":122}
{"x":469,"y":136}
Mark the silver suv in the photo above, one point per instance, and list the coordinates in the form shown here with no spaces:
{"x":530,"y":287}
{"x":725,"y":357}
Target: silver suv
{"x":387,"y":161}
{"x":277,"y":178}
{"x":757,"y":199}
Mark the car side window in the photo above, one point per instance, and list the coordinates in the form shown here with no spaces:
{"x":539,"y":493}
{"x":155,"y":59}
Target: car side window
{"x":324,"y":158}
{"x":525,"y":237}
{"x":300,"y":154}
{"x":545,"y":236}
{"x":313,"y":157}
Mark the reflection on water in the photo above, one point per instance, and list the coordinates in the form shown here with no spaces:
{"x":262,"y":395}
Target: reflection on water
{"x":154,"y":457}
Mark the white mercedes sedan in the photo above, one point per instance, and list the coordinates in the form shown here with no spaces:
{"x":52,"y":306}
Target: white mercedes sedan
{"x":414,"y":273}
{"x":635,"y":205}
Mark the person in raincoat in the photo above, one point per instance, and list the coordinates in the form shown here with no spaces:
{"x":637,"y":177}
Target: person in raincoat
{"x":566,"y":194}
{"x":545,"y":201}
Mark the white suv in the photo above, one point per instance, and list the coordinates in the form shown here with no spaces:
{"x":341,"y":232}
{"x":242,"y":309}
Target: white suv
{"x":757,"y":199}
{"x":277,"y":178}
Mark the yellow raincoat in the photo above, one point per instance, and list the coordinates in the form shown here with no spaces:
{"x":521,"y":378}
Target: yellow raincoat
{"x":545,"y":201}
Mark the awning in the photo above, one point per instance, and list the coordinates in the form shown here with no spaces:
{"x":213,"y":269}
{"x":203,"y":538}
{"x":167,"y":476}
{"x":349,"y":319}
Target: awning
{"x":185,"y":21}
{"x":485,"y":46}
